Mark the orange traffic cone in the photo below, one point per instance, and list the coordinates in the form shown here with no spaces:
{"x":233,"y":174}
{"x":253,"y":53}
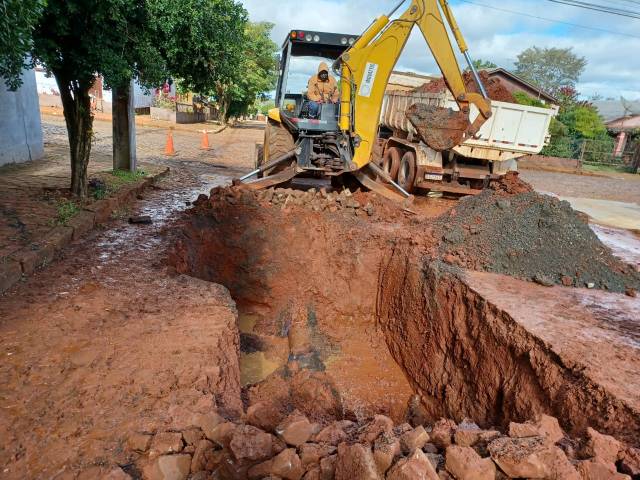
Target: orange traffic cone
{"x":168,"y":149}
{"x":204,"y":143}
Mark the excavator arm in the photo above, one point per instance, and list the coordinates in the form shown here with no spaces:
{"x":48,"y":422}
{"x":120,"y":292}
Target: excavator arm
{"x":367,"y":65}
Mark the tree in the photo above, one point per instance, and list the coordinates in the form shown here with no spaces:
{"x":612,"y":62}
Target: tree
{"x":200,"y":40}
{"x":18,"y":19}
{"x":483,"y":64}
{"x":256,"y":74}
{"x":550,"y":68}
{"x":76,"y":40}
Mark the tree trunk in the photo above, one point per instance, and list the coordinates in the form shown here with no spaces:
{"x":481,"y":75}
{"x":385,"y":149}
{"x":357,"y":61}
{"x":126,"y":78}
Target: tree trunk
{"x":76,"y":104}
{"x":124,"y":129}
{"x":635,"y":163}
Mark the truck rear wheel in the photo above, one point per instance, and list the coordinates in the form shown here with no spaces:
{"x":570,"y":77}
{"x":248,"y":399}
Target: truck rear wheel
{"x":407,"y":171}
{"x":277,"y":141}
{"x":391,"y":162}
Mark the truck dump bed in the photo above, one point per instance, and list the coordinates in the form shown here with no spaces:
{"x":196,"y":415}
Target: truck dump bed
{"x":512,"y":131}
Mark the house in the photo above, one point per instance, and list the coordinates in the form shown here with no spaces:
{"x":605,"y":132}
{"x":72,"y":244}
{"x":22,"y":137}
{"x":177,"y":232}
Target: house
{"x":621,"y":117}
{"x":514,"y":83}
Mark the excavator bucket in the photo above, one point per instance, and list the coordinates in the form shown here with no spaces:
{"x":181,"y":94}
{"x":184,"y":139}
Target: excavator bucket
{"x":440,"y":128}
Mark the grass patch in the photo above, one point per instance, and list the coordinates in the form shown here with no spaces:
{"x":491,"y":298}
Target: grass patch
{"x":65,"y":210}
{"x":105,"y":184}
{"x":606,"y":168}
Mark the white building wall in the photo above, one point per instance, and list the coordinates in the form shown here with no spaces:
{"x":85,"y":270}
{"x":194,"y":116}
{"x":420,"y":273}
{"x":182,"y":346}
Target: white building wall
{"x":20,"y":127}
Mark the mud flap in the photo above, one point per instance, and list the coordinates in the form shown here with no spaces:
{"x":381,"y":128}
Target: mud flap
{"x":440,"y":128}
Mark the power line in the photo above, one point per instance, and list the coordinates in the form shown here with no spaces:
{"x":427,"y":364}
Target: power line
{"x":550,"y":19}
{"x":599,"y":8}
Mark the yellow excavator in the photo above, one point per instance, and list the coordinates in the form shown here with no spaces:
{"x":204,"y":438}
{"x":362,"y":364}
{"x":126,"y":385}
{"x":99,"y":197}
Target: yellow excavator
{"x":340,"y":138}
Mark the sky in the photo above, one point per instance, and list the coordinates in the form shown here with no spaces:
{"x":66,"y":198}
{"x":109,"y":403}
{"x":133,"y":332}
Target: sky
{"x":613,"y":68}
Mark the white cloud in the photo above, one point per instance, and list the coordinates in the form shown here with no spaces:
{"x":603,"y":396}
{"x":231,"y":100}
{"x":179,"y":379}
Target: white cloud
{"x":613,"y":63}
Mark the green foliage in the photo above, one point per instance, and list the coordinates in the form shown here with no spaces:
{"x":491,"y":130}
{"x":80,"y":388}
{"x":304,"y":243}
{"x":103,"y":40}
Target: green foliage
{"x":201,"y":41}
{"x":18,"y":19}
{"x":583,"y":122}
{"x":483,"y":64}
{"x":257,"y":72}
{"x":524,"y":99}
{"x":128,"y":176}
{"x":550,"y":68}
{"x":65,"y":210}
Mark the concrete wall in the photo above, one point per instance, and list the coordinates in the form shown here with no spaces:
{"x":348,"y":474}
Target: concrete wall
{"x":20,"y":127}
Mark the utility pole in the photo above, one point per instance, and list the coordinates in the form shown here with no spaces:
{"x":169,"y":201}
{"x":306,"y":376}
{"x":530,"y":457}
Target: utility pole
{"x":124,"y":129}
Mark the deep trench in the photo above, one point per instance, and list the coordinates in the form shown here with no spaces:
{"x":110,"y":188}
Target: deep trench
{"x":385,"y":323}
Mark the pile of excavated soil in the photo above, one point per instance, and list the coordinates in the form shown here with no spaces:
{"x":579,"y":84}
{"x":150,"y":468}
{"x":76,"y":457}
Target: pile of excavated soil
{"x":512,"y":230}
{"x":495,"y":89}
{"x":296,"y":446}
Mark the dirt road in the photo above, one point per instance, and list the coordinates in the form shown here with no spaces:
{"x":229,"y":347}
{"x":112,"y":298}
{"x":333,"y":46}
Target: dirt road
{"x":89,"y":345}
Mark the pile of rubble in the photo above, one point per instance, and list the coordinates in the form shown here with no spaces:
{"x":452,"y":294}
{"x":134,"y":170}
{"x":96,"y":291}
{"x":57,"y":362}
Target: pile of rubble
{"x":317,"y":200}
{"x":298,"y":448}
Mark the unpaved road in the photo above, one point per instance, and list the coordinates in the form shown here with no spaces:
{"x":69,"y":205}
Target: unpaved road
{"x":88,"y":346}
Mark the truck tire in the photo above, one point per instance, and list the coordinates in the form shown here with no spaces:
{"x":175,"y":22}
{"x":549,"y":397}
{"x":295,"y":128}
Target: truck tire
{"x":391,"y":162}
{"x":277,"y":141}
{"x":407,"y":171}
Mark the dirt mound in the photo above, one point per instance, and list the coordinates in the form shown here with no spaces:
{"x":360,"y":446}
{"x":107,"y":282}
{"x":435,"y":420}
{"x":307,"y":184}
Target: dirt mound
{"x":495,"y":89}
{"x":510,"y":229}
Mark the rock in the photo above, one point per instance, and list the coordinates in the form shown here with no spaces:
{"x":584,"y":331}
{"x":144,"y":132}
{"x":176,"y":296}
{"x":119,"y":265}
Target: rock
{"x":604,"y":448}
{"x":543,"y":280}
{"x":312,"y":453}
{"x":207,"y":422}
{"x":465,"y":464}
{"x":287,"y":465}
{"x":442,"y":433}
{"x":544,"y":426}
{"x":385,"y":451}
{"x":262,"y":470}
{"x":199,"y":461}
{"x":165,"y":442}
{"x":265,"y":415}
{"x":369,"y":209}
{"x":631,"y":292}
{"x":531,"y":457}
{"x":467,"y":434}
{"x":139,"y":442}
{"x":430,"y":448}
{"x":146,"y":219}
{"x":314,"y":394}
{"x":355,"y":462}
{"x":333,"y":434}
{"x":414,"y":440}
{"x":251,"y":443}
{"x":414,"y":467}
{"x":437,"y":460}
{"x":567,"y":281}
{"x":222,"y":434}
{"x":630,"y":462}
{"x":328,"y":467}
{"x":295,"y":430}
{"x":168,"y":467}
{"x":116,"y":474}
{"x":595,"y":470}
{"x":192,"y":436}
{"x":379,"y":425}
{"x":313,"y":474}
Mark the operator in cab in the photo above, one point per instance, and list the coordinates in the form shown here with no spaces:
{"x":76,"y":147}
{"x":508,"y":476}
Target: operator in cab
{"x":322,"y":88}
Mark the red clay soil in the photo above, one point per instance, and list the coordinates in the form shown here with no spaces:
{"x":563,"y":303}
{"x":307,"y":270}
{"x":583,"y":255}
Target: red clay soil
{"x":494,"y":87}
{"x":358,"y":273}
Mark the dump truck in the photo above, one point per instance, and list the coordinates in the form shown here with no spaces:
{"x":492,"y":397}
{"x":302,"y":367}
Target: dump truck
{"x":512,"y":131}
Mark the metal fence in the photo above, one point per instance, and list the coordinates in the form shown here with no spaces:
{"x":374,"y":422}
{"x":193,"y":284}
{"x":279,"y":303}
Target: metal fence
{"x":593,"y":152}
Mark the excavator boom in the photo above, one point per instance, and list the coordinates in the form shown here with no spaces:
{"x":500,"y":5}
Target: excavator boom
{"x":367,"y":66}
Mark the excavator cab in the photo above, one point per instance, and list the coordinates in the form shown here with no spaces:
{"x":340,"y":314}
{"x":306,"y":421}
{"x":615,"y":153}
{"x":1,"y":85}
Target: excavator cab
{"x":291,"y":123}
